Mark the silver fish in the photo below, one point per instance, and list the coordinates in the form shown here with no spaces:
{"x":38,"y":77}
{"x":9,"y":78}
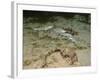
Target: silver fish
{"x":55,"y":32}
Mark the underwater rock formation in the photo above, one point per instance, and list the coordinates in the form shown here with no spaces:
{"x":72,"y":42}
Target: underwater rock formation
{"x":68,"y":56}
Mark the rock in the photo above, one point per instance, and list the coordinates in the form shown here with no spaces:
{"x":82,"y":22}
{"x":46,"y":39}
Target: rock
{"x":70,"y":54}
{"x":56,"y":60}
{"x":27,"y":62}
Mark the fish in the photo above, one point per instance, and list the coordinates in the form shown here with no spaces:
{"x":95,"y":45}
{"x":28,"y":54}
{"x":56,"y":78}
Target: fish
{"x":43,"y":28}
{"x":56,"y":32}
